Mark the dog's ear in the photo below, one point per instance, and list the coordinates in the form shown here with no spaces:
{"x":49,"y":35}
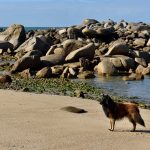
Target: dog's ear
{"x":103,"y":95}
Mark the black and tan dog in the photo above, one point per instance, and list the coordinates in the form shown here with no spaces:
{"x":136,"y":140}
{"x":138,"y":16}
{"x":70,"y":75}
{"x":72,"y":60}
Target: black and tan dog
{"x":116,"y":111}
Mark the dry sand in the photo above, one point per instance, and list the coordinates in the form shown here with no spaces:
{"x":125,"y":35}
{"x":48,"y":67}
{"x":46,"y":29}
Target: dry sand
{"x":35,"y":122}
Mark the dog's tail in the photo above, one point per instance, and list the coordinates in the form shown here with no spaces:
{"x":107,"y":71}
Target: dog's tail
{"x":138,"y":119}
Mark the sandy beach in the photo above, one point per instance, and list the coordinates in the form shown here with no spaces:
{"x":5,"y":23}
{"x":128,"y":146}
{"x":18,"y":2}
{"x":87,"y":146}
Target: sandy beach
{"x":36,"y":122}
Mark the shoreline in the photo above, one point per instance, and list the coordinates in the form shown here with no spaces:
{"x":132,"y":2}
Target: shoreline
{"x":35,"y":121}
{"x":65,"y":87}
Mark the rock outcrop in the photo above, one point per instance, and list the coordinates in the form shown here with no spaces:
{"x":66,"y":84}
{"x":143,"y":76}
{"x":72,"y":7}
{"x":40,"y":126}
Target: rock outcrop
{"x":111,"y":48}
{"x":15,"y":34}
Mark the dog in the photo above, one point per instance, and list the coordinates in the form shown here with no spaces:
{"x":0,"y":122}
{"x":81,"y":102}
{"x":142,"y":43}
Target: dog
{"x":117,"y":111}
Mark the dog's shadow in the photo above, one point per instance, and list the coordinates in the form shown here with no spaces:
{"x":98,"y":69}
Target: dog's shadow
{"x":136,"y":131}
{"x":143,"y":131}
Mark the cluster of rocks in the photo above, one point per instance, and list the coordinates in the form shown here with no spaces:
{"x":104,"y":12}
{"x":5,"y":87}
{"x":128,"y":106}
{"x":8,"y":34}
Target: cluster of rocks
{"x":107,"y":48}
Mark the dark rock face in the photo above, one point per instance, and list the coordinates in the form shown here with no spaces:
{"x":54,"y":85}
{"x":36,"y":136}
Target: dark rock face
{"x":52,"y":60}
{"x":32,"y":62}
{"x":46,"y":72}
{"x":5,"y":45}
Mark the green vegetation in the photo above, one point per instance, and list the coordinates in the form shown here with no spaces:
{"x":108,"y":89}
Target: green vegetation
{"x":6,"y":62}
{"x":56,"y":86}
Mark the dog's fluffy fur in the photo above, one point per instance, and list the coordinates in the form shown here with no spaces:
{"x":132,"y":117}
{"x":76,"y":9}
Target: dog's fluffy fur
{"x":116,"y":111}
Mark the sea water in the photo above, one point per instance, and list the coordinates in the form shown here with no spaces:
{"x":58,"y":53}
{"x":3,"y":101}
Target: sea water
{"x":35,"y":28}
{"x":135,"y":90}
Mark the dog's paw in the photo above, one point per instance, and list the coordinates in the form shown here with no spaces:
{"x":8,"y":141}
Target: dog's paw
{"x":132,"y":130}
{"x":110,"y":129}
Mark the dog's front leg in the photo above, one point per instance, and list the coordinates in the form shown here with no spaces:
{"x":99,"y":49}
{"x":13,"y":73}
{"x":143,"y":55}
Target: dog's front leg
{"x":112,"y":124}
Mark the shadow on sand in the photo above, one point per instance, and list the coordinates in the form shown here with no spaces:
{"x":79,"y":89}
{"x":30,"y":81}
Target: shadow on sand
{"x":143,"y":131}
{"x":136,"y":131}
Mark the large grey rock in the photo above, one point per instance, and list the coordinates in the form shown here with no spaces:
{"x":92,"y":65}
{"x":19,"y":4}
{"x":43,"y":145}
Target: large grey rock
{"x":52,"y":60}
{"x":106,"y":68}
{"x":118,"y":48}
{"x":87,"y":51}
{"x":121,"y":61}
{"x":33,"y":43}
{"x":23,"y":63}
{"x":139,"y":42}
{"x":71,"y":45}
{"x":74,"y":33}
{"x":15,"y":34}
{"x":127,"y":62}
{"x":105,"y":32}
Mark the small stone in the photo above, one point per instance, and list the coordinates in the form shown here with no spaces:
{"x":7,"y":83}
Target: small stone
{"x":79,"y":93}
{"x":5,"y":79}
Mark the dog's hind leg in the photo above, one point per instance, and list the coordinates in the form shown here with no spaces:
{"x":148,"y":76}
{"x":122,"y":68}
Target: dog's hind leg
{"x":112,"y":124}
{"x":134,"y":124}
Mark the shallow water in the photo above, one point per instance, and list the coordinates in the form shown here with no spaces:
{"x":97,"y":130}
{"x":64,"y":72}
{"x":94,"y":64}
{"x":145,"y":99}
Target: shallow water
{"x":136,"y":90}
